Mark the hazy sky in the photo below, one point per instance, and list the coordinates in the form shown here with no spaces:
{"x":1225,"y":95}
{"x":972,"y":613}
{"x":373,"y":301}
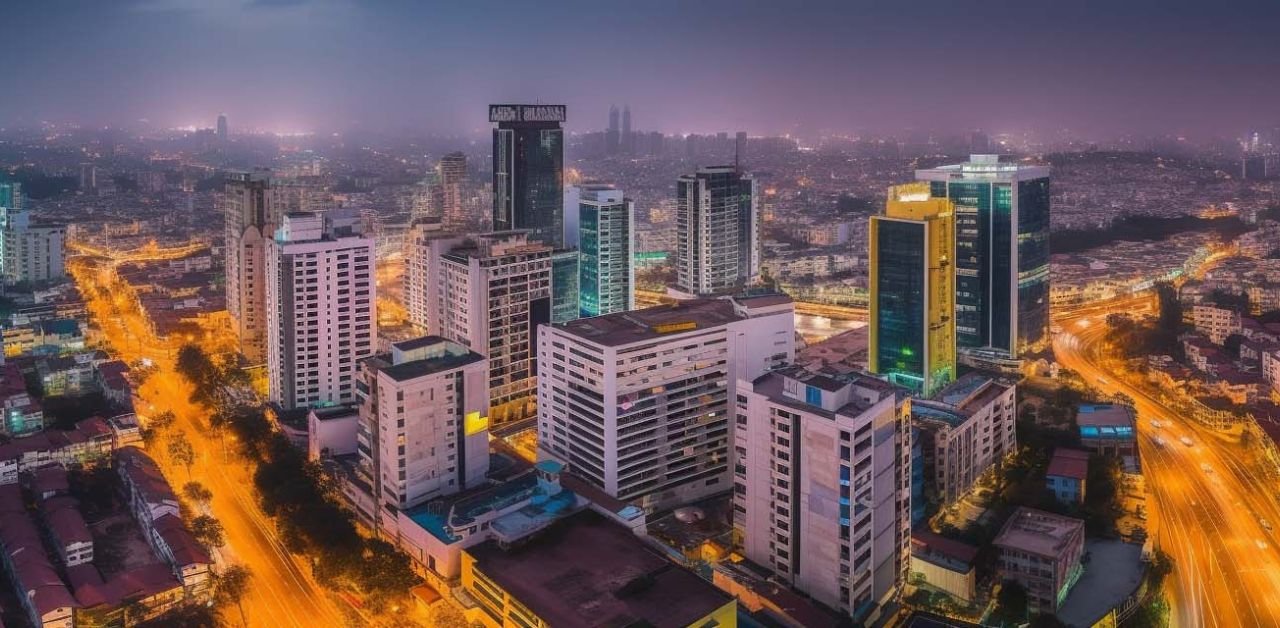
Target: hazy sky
{"x":690,"y":66}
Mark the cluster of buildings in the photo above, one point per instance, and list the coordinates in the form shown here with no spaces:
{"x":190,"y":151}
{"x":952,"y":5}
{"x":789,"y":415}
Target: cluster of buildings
{"x":69,"y":588}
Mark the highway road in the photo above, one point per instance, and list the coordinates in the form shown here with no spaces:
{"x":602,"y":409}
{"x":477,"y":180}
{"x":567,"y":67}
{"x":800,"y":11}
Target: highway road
{"x":282,"y":592}
{"x":1211,"y":508}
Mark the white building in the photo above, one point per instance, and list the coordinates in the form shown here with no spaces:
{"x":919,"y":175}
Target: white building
{"x":1216,"y":322}
{"x":31,"y":252}
{"x":422,"y":431}
{"x":320,"y":308}
{"x":488,"y":293}
{"x":717,"y":231}
{"x":638,"y":403}
{"x":822,"y":485}
{"x":964,"y":431}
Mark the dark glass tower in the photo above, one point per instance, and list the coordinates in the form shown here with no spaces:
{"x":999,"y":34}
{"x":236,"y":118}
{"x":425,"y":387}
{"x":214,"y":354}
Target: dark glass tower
{"x":1002,"y":252}
{"x":528,"y":170}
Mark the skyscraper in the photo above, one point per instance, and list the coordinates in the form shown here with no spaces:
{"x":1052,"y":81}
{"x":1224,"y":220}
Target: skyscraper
{"x":627,"y":140}
{"x":1002,"y":252}
{"x":565,"y":265}
{"x":912,"y":281}
{"x":222,"y":127}
{"x":717,"y":231}
{"x":822,"y":485}
{"x":528,"y":170}
{"x":613,"y":136}
{"x":253,"y":205}
{"x":451,"y":172}
{"x":489,"y":293}
{"x":606,"y":243}
{"x":640,"y":403}
{"x":11,"y":195}
{"x":320,"y":308}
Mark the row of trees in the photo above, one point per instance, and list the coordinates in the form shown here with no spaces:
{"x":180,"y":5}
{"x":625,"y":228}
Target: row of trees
{"x":297,"y":494}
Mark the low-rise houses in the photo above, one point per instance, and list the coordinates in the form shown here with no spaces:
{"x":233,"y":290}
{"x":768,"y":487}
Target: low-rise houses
{"x":1108,"y":429}
{"x":1066,"y":475}
{"x":1216,"y":322}
{"x":155,"y":508}
{"x":944,"y":564}
{"x":1041,"y":551}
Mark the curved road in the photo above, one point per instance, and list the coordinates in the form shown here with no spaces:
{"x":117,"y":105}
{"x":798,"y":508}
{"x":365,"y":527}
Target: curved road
{"x":1210,"y":509}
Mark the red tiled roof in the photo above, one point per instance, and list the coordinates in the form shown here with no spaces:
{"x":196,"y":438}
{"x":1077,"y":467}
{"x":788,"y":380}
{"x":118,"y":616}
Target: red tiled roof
{"x":186,"y":551}
{"x":1069,"y":463}
{"x":951,"y":548}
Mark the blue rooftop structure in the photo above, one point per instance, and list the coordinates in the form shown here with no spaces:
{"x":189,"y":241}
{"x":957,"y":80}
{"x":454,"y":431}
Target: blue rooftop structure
{"x":538,"y":489}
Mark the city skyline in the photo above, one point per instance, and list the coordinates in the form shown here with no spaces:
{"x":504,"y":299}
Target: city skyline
{"x":312,"y":65}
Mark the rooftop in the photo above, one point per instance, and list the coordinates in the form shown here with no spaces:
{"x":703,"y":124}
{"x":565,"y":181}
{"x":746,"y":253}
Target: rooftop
{"x":1039,"y":532}
{"x":1069,"y":463}
{"x":662,"y":320}
{"x":940,"y":549}
{"x":587,"y":571}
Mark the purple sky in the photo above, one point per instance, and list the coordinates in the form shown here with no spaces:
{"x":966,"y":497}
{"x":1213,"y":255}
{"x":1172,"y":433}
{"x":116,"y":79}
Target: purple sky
{"x":1110,"y":67}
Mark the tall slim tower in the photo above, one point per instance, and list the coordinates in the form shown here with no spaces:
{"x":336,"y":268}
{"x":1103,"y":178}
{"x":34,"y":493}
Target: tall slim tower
{"x":222,"y":127}
{"x":626,"y":139}
{"x":717,"y":231}
{"x":606,"y":244}
{"x":252,"y":209}
{"x":613,"y":136}
{"x":912,"y":279}
{"x":1002,"y":251}
{"x":320,"y":308}
{"x":528,"y":170}
{"x":450,"y":174}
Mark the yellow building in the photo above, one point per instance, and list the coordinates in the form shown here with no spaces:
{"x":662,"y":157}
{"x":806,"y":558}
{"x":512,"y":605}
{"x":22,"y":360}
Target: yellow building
{"x":912,"y":285}
{"x":585,"y":570}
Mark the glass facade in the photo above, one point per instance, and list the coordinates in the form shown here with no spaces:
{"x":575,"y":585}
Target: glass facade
{"x":528,"y":179}
{"x":899,"y":308}
{"x":1033,"y":263}
{"x":606,"y":279}
{"x":564,"y":286}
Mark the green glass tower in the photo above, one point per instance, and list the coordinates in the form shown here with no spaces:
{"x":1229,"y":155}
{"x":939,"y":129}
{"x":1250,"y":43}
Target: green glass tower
{"x":606,"y":240}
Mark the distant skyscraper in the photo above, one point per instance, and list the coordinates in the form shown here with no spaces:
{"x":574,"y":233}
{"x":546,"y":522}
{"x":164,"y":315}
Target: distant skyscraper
{"x":912,"y":281}
{"x":528,"y":170}
{"x":488,"y":292}
{"x":451,"y":172}
{"x":717,"y":231}
{"x":1002,"y":252}
{"x":739,"y":148}
{"x":627,"y":139}
{"x":613,"y":136}
{"x":222,"y":127}
{"x":88,"y":177}
{"x":422,"y":411}
{"x":320,"y":308}
{"x":606,"y":243}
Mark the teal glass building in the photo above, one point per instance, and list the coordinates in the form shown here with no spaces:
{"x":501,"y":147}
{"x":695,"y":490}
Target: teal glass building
{"x":564,"y":285}
{"x":1002,"y":251}
{"x":606,"y":240}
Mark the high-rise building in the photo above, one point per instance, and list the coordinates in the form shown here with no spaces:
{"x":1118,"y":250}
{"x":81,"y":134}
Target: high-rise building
{"x":822,"y":465}
{"x":565,"y":265}
{"x":639,"y":403}
{"x":488,"y":293}
{"x":11,"y":195}
{"x":320,"y":306}
{"x":912,"y":285}
{"x":88,"y":177}
{"x":606,"y":242}
{"x":613,"y":136}
{"x":627,"y":140}
{"x":451,"y":173}
{"x":739,"y":148}
{"x":222,"y":127}
{"x":252,"y":208}
{"x":717,"y":231}
{"x":30,"y":252}
{"x":528,"y":170}
{"x":422,"y":430}
{"x":1002,"y":252}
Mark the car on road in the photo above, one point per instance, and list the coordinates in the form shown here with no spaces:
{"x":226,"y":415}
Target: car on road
{"x":1103,"y":380}
{"x":1266,"y":525}
{"x":1204,"y":466}
{"x":1159,"y":442}
{"x":1155,"y":423}
{"x":1261,"y":544}
{"x":1186,"y":440}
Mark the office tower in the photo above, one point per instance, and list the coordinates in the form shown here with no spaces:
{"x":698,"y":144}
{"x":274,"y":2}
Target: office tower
{"x":912,"y":285}
{"x":489,"y":293}
{"x":528,"y":170}
{"x":606,"y":242}
{"x":964,"y":431}
{"x":717,"y":231}
{"x":451,"y":173}
{"x":320,"y":308}
{"x":739,"y":148}
{"x":222,"y":127}
{"x":11,"y":195}
{"x":612,"y":137}
{"x":1002,"y":252}
{"x":422,"y":431}
{"x":639,"y":403}
{"x":88,"y":177}
{"x":564,"y":285}
{"x":626,"y":139}
{"x":822,"y":485}
{"x":252,"y":208}
{"x":30,"y":252}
